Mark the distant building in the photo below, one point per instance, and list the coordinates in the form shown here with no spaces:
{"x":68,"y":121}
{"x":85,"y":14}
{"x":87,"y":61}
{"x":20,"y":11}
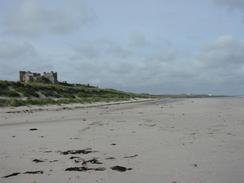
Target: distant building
{"x":51,"y":76}
{"x":27,"y":76}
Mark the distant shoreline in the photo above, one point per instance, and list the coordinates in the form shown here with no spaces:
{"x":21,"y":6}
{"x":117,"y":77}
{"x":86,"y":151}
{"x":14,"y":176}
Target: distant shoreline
{"x":71,"y":106}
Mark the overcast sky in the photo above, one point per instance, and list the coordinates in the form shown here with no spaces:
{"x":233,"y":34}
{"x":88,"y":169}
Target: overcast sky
{"x":155,"y":46}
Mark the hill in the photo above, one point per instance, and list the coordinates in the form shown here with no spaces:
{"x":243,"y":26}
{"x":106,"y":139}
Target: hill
{"x":19,"y":94}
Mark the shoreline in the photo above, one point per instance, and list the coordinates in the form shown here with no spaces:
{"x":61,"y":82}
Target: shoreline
{"x":71,"y":106}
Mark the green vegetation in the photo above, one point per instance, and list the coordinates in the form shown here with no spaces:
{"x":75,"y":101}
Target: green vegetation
{"x":41,"y":93}
{"x":19,"y":94}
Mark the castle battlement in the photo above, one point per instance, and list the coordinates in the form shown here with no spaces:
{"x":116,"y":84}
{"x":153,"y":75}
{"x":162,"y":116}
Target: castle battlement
{"x":28,"y":76}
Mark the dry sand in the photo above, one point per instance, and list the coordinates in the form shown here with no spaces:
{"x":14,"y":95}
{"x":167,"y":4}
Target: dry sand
{"x":183,"y":141}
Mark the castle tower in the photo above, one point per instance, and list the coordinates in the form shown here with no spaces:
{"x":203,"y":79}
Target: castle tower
{"x":21,"y":75}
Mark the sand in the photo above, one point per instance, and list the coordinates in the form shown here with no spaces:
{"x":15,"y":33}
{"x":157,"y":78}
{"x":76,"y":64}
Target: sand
{"x":169,"y":140}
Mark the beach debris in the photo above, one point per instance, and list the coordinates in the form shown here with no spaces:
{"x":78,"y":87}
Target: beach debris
{"x":47,"y":151}
{"x":34,"y":172}
{"x":52,"y":161}
{"x":85,"y":129}
{"x":99,"y":169}
{"x":27,"y":172}
{"x":82,"y":151}
{"x":120,"y":168}
{"x":74,"y":138}
{"x":11,"y":175}
{"x":92,"y":161}
{"x":38,"y":160}
{"x":80,"y":169}
{"x":33,"y":129}
{"x":132,"y":156}
{"x":84,"y":169}
{"x":77,"y":159}
{"x":150,"y":125}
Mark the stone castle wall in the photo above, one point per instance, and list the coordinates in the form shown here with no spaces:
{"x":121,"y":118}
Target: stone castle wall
{"x":27,"y":76}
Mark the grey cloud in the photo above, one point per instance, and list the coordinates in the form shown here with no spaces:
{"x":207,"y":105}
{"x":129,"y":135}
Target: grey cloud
{"x":235,"y":4}
{"x":167,"y":70}
{"x":218,"y":64}
{"x":15,"y":56}
{"x":9,"y":51}
{"x":86,"y":50}
{"x":34,"y":17}
{"x":224,"y":52}
{"x":221,"y":64}
{"x":114,"y":49}
{"x":138,"y":40}
{"x":100,"y":48}
{"x":125,"y":66}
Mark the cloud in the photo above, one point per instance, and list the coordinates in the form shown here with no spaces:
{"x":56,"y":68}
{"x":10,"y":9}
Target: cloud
{"x":218,"y":64}
{"x":16,"y":56}
{"x":224,"y":52}
{"x":126,"y":66}
{"x":237,"y":5}
{"x":16,"y":50}
{"x":218,"y":67}
{"x":34,"y":17}
{"x":221,"y":63}
{"x":138,"y":40}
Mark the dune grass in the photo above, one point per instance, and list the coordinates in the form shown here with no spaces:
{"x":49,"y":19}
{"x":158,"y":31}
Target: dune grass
{"x":21,"y":94}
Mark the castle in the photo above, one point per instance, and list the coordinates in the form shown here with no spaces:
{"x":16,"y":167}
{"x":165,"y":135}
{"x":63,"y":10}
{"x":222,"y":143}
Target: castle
{"x":27,"y":76}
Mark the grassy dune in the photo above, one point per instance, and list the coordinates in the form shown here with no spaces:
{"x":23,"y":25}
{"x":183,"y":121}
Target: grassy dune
{"x":19,"y":94}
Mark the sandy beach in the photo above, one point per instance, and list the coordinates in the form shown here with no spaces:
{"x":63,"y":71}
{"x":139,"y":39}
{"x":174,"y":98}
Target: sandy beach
{"x":168,"y":140}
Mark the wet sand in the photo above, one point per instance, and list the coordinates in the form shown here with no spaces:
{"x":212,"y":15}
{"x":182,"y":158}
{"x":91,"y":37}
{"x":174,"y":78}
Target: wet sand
{"x":174,"y":141}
